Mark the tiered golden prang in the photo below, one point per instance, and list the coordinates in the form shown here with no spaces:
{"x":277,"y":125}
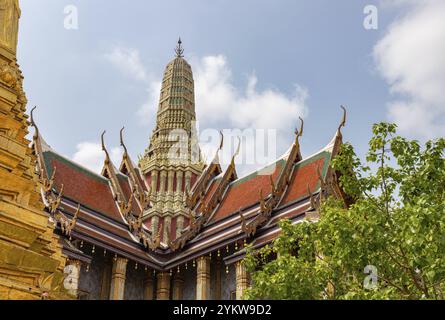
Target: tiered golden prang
{"x":31,"y":259}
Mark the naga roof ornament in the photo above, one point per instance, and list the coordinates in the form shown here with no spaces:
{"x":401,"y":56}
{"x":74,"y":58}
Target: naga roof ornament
{"x":139,"y":193}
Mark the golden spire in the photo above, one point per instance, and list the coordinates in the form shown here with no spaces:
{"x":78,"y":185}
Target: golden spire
{"x":172,"y":162}
{"x":9,"y":23}
{"x":176,"y":114}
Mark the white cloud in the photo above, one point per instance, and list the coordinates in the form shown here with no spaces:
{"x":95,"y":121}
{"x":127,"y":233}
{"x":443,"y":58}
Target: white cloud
{"x":91,"y":156}
{"x":220,"y":105}
{"x":127,"y":61}
{"x":399,"y":3}
{"x":411,"y":59}
{"x":219,"y":102}
{"x":147,"y":112}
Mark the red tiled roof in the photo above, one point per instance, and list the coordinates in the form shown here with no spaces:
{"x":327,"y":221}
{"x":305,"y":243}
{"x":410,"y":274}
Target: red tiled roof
{"x":305,"y":174}
{"x":82,"y":186}
{"x":126,"y":189}
{"x":213,"y":187}
{"x":140,"y":179}
{"x":244,"y":192}
{"x":125,"y":186}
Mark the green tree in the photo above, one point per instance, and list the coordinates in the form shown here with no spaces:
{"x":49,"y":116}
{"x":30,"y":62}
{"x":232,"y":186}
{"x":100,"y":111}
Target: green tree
{"x":395,"y":226}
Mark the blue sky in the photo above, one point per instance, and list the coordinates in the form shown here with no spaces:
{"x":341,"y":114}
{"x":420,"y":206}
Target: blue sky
{"x":258,"y":64}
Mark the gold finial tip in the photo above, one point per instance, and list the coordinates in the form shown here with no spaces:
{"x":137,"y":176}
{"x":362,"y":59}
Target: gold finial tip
{"x":179,"y":50}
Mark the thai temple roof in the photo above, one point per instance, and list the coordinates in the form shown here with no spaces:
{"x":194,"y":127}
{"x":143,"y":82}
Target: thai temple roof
{"x":116,"y":211}
{"x":101,"y":222}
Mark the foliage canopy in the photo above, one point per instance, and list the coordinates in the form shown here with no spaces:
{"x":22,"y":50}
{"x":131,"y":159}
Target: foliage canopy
{"x":389,"y":244}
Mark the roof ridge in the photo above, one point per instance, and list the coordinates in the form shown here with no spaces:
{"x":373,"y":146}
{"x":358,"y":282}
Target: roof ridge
{"x":329,"y":147}
{"x":272,"y":162}
{"x":76,"y":164}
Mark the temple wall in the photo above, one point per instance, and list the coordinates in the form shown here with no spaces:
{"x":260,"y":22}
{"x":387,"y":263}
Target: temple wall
{"x":214,"y":268}
{"x":90,"y":283}
{"x":134,"y":283}
{"x":228,"y":285}
{"x":189,"y":292}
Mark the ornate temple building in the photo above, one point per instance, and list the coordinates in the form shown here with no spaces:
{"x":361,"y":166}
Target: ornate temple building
{"x":169,"y":227}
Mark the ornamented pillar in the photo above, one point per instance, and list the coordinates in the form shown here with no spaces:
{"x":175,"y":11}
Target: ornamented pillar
{"x":203,"y":278}
{"x":178,"y":286}
{"x":148,"y":286}
{"x":179,"y":175}
{"x":163,"y":287}
{"x":162,"y":184}
{"x":171,"y":175}
{"x":118,"y":279}
{"x":179,"y":225}
{"x":154,"y":181}
{"x":167,"y":227}
{"x":154,"y":225}
{"x":242,"y":279}
{"x":188,"y":178}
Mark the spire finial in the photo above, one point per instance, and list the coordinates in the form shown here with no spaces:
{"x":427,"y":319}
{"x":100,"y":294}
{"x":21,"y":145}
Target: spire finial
{"x":179,"y":50}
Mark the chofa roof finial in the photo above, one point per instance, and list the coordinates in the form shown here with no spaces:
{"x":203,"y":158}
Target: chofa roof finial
{"x":36,"y":135}
{"x":179,"y":50}
{"x":232,"y":163}
{"x":107,"y":156}
{"x":122,"y":142}
{"x":342,"y":123}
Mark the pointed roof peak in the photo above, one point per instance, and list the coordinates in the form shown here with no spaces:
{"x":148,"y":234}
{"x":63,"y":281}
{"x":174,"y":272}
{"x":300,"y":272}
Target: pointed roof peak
{"x":179,"y":50}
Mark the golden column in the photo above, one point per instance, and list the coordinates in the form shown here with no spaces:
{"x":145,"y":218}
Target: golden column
{"x":118,"y":272}
{"x":155,"y":225}
{"x":167,"y":225}
{"x":154,"y":182}
{"x":188,"y":177}
{"x":171,"y":175}
{"x":148,"y":286}
{"x":179,"y":225}
{"x":162,"y":188}
{"x":242,"y":279}
{"x":163,"y":288}
{"x":203,"y":278}
{"x":179,"y":175}
{"x":31,"y":259}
